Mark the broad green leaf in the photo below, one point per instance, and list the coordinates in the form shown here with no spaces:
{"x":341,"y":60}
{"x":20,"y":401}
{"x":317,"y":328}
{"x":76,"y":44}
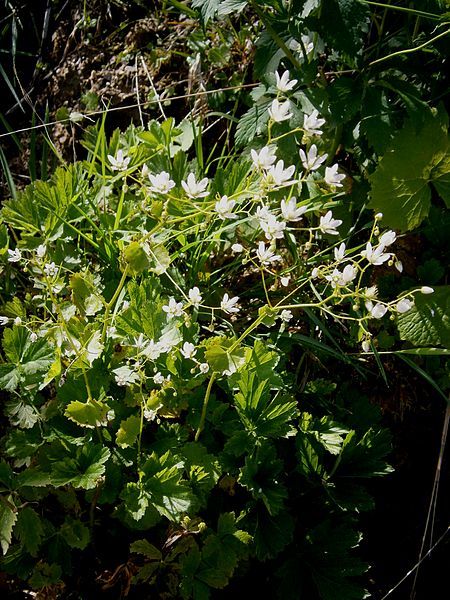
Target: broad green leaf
{"x":253,"y":122}
{"x":400,"y":183}
{"x":82,"y":471}
{"x":8,"y":518}
{"x":261,"y":476}
{"x":428,"y":322}
{"x":148,"y":550}
{"x":221,"y":357}
{"x":29,"y":361}
{"x":272,"y":534}
{"x":344,"y":25}
{"x":29,"y":530}
{"x":87,"y":414}
{"x":163,"y":484}
{"x":75,"y":533}
{"x":208,"y":8}
{"x":135,"y":258}
{"x":128,"y":431}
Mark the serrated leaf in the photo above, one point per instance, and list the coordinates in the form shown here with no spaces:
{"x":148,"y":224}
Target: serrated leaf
{"x":208,"y":8}
{"x":135,"y":258}
{"x":261,"y":476}
{"x":400,"y":183}
{"x":128,"y":431}
{"x":253,"y":123}
{"x":344,"y":24}
{"x":83,"y":470}
{"x":428,"y":321}
{"x":8,"y":518}
{"x":87,"y":414}
{"x":272,"y":534}
{"x":221,"y":356}
{"x":75,"y":533}
{"x":29,"y":361}
{"x":29,"y":530}
{"x":144,"y":547}
{"x":164,"y":486}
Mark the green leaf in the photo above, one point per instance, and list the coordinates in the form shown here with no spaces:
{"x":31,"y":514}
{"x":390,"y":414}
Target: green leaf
{"x":400,"y":183}
{"x":164,"y":487}
{"x":29,"y":530}
{"x":272,"y":534}
{"x":428,"y":322}
{"x":82,"y":471}
{"x":8,"y":518}
{"x":29,"y":361}
{"x":135,"y":258}
{"x":128,"y":432}
{"x":87,"y":414}
{"x":148,"y":550}
{"x":253,"y":123}
{"x":344,"y":25}
{"x":221,"y":357}
{"x":261,"y":476}
{"x":208,"y":8}
{"x":75,"y":533}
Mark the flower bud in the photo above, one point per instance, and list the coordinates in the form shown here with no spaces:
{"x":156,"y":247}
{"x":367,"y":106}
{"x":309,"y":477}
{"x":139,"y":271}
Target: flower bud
{"x":425,"y":289}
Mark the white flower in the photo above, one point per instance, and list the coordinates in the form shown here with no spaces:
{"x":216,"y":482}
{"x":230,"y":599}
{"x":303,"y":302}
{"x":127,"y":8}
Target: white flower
{"x":119,"y":162}
{"x":237,"y":248}
{"x":283,"y":83}
{"x":152,"y":350}
{"x":173,"y":309}
{"x":194,"y":188}
{"x":273,"y":229}
{"x":159,"y":378}
{"x":265,"y":158}
{"x":151,"y":414}
{"x":278,"y":175}
{"x":404,"y":305}
{"x":228,"y":304}
{"x":328,"y":224}
{"x":125,"y":376}
{"x":286,"y":315}
{"x":289,"y":210}
{"x":188,"y":350}
{"x":279,"y":111}
{"x":4,"y":320}
{"x":310,"y":160}
{"x":315,"y":273}
{"x":285,"y":281}
{"x":378,"y":311}
{"x":14,"y":255}
{"x":375,"y":256}
{"x":387,"y":238}
{"x":339,"y":252}
{"x":145,"y":171}
{"x":332,"y":177}
{"x":371,"y":292}
{"x":161,"y":183}
{"x":204,"y":367}
{"x":224,"y":208}
{"x":366,"y":346}
{"x":195,"y":297}
{"x":50,"y":269}
{"x":342,"y":279}
{"x":425,"y":289}
{"x":265,"y":255}
{"x":263,"y":213}
{"x":17,"y":321}
{"x":41,"y":251}
{"x":312,"y":122}
{"x":33,"y":337}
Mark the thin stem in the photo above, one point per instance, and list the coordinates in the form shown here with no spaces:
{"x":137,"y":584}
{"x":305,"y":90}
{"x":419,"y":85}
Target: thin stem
{"x":201,"y":425}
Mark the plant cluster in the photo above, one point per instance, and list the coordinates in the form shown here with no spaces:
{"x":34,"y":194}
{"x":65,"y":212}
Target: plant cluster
{"x":162,"y":312}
